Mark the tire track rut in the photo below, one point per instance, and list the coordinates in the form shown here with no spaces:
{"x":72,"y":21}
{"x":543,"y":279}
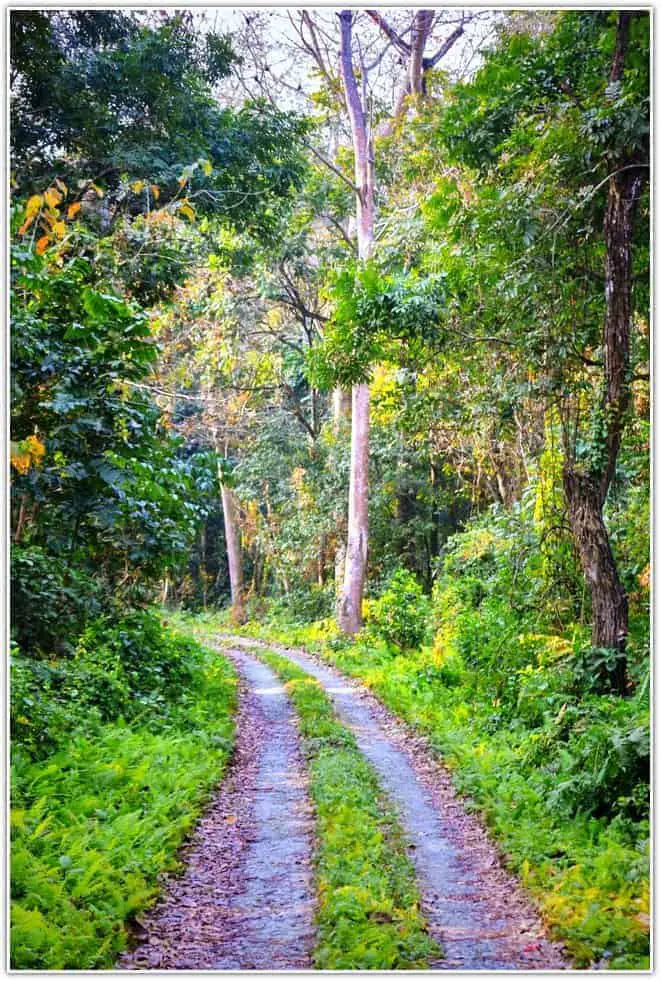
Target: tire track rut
{"x":245,"y":900}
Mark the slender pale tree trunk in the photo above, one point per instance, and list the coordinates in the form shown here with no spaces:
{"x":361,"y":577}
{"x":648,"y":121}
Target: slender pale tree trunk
{"x":355,"y":564}
{"x":233,"y":543}
{"x":341,"y":407}
{"x":232,"y":535}
{"x":341,"y":417}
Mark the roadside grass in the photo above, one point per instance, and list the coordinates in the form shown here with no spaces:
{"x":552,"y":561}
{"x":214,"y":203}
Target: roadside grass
{"x":369,"y":908}
{"x":95,"y":823}
{"x":589,"y":875}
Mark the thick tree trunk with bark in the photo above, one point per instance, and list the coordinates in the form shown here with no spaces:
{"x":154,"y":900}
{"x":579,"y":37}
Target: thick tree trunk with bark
{"x":610,"y":608}
{"x":421,"y":26}
{"x":586,"y":492}
{"x":233,"y":542}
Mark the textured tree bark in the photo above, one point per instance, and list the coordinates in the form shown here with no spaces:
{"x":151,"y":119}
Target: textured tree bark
{"x":586,"y":492}
{"x":233,"y":541}
{"x":610,"y":608}
{"x":350,"y":603}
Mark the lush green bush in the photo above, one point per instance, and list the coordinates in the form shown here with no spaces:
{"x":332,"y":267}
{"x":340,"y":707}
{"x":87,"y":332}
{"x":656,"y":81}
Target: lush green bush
{"x":131,"y":667}
{"x":144,"y":663}
{"x":400,"y":615}
{"x":40,"y":717}
{"x":51,"y":599}
{"x":305,"y":604}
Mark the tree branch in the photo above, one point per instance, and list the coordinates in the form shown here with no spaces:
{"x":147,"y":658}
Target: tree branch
{"x":336,"y":224}
{"x":428,"y":63}
{"x":331,"y":166}
{"x":390,"y":32}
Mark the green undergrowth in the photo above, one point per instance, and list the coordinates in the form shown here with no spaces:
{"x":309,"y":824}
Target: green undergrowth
{"x":96,"y":820}
{"x":545,"y":774}
{"x":369,"y":907}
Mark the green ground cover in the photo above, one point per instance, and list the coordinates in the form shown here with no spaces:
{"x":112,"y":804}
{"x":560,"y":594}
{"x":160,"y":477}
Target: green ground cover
{"x":102,"y":810}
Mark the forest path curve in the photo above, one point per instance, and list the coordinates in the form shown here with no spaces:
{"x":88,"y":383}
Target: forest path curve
{"x":245,"y":900}
{"x":476,"y":909}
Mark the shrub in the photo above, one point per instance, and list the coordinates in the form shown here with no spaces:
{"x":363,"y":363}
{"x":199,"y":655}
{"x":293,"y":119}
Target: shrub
{"x":123,"y":669}
{"x":305,"y":604}
{"x":136,"y":659}
{"x":401,"y":614}
{"x":51,"y":601}
{"x":41,"y":714}
{"x":594,"y":668}
{"x":604,"y":766}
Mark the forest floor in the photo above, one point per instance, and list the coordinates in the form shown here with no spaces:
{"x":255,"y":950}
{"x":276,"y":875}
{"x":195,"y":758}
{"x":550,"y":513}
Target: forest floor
{"x":246,"y":898}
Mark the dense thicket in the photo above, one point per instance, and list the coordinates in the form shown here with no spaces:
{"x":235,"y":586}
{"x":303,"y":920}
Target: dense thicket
{"x":120,"y":158}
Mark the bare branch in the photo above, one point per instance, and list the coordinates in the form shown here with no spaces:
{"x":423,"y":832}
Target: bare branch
{"x":336,"y":224}
{"x":331,"y":166}
{"x":390,"y":32}
{"x":313,"y":46}
{"x":429,"y":63}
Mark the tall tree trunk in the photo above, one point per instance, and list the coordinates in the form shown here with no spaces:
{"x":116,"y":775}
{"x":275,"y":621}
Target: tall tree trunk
{"x":355,"y":563}
{"x":341,"y":417}
{"x":233,"y":542}
{"x":586,"y":491}
{"x":350,"y":604}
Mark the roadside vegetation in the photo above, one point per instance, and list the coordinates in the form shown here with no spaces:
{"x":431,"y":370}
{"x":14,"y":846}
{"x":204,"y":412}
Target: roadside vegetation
{"x":114,"y":756}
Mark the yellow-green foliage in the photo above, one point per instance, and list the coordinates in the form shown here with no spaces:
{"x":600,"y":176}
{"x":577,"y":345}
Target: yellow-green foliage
{"x":554,"y":542}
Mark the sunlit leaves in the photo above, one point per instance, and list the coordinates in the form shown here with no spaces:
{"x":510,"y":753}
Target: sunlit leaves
{"x":372,"y":311}
{"x":185,"y":209}
{"x":43,"y":213}
{"x":26,"y":453}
